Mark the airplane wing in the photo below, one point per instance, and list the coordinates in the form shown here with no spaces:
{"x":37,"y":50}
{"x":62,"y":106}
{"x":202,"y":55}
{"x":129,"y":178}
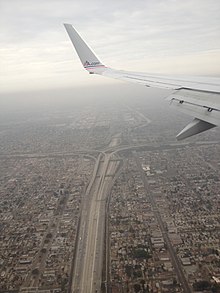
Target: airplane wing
{"x":198,"y":97}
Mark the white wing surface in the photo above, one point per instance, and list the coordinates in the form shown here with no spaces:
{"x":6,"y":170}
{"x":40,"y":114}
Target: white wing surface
{"x":196,"y":96}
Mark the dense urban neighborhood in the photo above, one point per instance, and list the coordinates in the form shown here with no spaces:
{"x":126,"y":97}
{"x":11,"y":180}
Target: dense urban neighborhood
{"x":102,"y":198}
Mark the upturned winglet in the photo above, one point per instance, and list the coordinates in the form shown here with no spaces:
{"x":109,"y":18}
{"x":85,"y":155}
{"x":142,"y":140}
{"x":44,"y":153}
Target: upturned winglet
{"x":89,"y":60}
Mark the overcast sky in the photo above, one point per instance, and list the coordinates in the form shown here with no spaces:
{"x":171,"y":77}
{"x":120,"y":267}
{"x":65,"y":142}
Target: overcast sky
{"x":172,"y":36}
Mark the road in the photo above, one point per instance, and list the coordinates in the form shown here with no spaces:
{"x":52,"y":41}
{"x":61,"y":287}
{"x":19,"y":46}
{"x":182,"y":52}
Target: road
{"x":87,"y":273}
{"x":174,"y":258}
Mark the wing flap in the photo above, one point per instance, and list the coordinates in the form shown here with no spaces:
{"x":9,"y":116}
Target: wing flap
{"x":195,"y":127}
{"x":202,"y":105}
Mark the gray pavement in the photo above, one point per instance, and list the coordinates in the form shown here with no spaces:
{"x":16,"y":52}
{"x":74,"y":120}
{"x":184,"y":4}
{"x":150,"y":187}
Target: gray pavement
{"x":89,"y":255}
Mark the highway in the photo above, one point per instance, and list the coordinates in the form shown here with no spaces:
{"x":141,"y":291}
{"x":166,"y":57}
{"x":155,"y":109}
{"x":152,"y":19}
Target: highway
{"x":88,"y":263}
{"x":87,"y":274}
{"x":91,"y":153}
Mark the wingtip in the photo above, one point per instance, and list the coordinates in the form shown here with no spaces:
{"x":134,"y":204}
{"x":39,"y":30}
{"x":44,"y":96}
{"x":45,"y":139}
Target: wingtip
{"x":67,"y":24}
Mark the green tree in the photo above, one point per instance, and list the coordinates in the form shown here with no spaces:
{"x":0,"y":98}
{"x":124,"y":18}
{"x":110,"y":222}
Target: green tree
{"x":35,"y":272}
{"x":202,"y":285}
{"x":141,"y":253}
{"x":137,"y":288}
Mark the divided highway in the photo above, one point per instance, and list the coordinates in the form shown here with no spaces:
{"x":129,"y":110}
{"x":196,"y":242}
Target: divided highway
{"x":88,"y":263}
{"x":87,"y":273}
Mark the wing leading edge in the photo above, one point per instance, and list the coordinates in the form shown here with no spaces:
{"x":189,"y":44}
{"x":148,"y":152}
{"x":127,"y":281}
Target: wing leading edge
{"x":198,"y":97}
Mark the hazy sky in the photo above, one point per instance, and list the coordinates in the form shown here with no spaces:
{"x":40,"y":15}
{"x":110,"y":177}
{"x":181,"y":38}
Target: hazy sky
{"x":172,"y":36}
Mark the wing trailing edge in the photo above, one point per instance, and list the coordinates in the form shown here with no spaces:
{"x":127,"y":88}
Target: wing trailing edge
{"x":195,"y":127}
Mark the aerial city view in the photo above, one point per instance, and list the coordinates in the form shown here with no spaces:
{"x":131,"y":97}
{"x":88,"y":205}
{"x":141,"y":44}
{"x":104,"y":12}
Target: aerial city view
{"x":110,"y":146}
{"x":102,"y":198}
